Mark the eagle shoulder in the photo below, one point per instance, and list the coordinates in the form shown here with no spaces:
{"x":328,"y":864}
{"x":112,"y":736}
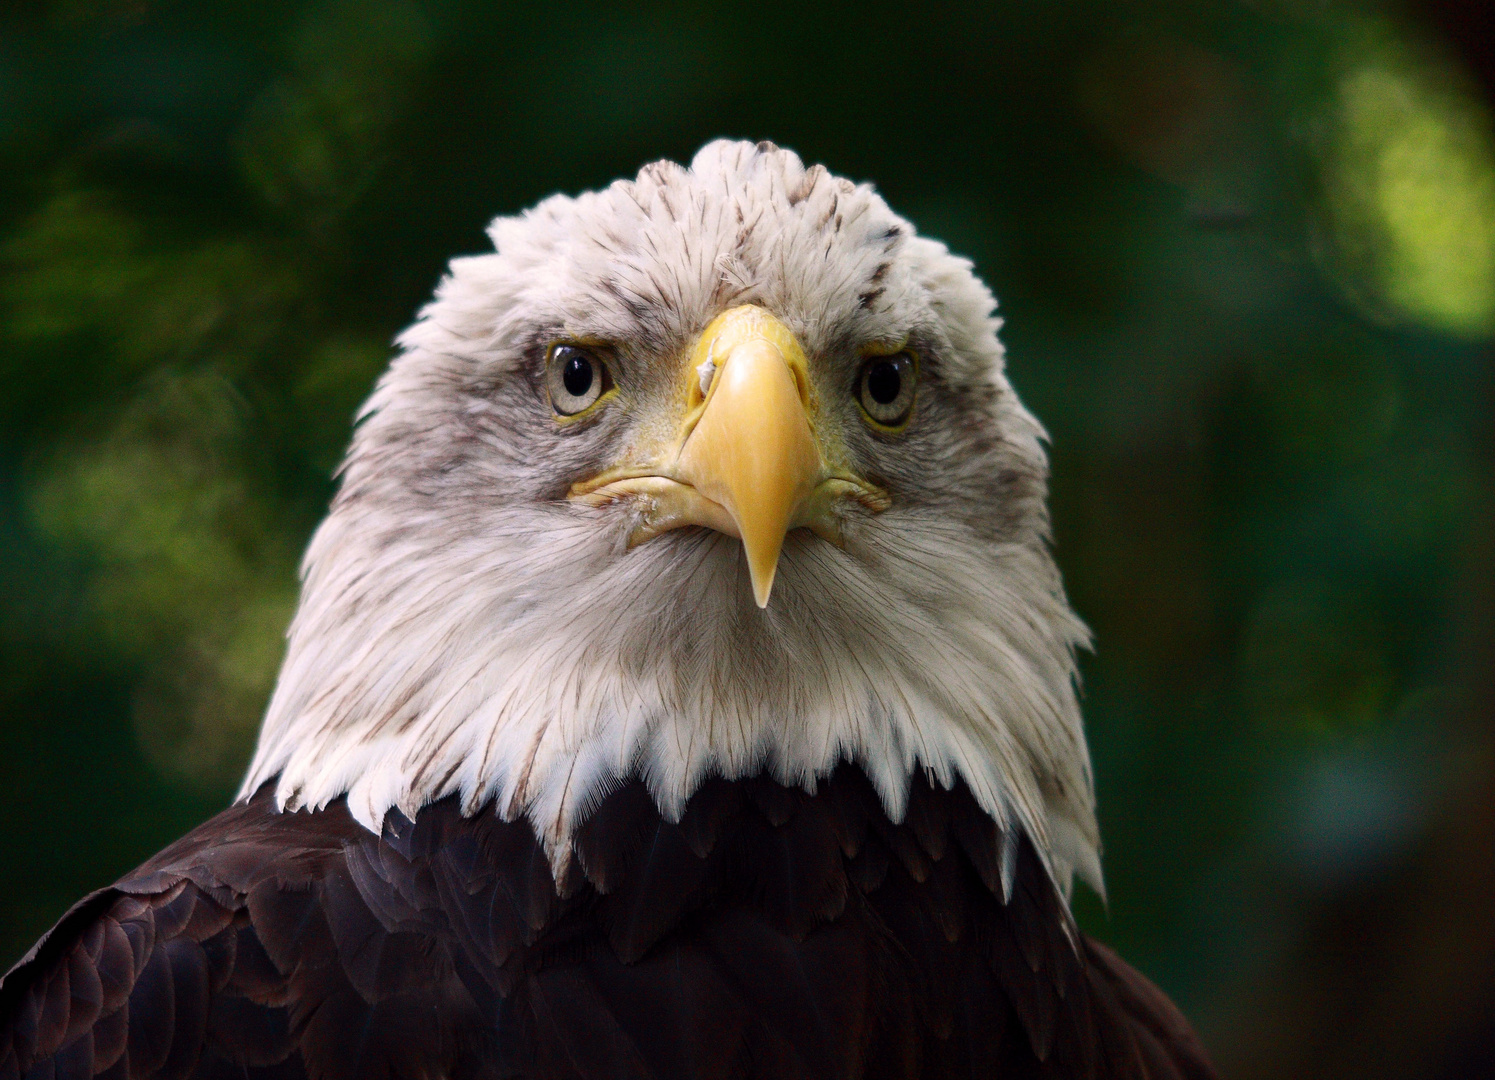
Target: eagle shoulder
{"x":768,"y":932}
{"x":232,"y":953}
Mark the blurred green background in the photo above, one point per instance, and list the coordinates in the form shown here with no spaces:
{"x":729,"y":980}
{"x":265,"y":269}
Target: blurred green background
{"x":1246,"y":253}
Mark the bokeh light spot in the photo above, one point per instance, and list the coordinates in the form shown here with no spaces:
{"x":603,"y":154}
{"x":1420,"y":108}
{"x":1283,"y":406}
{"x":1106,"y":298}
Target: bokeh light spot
{"x":1411,"y":183}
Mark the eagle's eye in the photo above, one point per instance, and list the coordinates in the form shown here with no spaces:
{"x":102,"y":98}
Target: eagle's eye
{"x":885,"y":388}
{"x":577,"y":378}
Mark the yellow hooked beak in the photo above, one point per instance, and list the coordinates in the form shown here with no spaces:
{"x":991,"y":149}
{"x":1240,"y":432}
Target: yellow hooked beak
{"x":747,"y":461}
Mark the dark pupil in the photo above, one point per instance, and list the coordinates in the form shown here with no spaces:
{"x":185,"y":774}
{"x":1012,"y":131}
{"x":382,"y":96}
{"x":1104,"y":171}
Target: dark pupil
{"x":883,"y":382}
{"x":577,"y":375}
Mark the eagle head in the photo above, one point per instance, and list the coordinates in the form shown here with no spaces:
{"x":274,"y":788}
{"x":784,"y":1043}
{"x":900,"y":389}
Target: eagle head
{"x":715,"y":471}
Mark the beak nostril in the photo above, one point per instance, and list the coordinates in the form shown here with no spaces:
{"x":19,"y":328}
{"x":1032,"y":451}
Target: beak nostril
{"x":704,"y":373}
{"x":802,"y":385}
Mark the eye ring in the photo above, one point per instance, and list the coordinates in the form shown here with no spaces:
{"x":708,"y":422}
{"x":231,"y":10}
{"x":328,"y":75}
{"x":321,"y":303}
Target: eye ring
{"x":577,"y":379}
{"x":886,"y":388}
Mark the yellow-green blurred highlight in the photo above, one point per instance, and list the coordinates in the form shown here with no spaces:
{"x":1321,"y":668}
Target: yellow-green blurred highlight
{"x":1411,"y":181}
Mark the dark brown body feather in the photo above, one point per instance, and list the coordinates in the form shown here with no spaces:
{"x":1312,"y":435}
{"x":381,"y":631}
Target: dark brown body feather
{"x":770,"y":933}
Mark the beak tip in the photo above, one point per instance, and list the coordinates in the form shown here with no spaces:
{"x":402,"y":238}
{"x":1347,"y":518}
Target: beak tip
{"x":763,"y":588}
{"x":763,"y":564}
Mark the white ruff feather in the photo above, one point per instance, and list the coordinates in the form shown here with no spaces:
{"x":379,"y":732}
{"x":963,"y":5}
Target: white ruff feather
{"x":464,"y":630}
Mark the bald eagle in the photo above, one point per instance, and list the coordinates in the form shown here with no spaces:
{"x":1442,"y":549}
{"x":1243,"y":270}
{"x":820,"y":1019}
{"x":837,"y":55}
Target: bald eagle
{"x":682,"y":687}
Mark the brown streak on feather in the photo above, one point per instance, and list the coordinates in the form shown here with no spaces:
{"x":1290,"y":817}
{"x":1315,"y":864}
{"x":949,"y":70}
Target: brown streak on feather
{"x":801,"y":191}
{"x":831,"y":212}
{"x":526,"y":771}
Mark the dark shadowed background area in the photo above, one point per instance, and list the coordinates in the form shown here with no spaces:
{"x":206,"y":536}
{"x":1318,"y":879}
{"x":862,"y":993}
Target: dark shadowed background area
{"x":1246,"y":253}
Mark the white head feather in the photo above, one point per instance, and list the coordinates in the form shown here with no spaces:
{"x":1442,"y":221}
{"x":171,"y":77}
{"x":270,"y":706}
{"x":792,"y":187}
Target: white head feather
{"x":465,"y":629}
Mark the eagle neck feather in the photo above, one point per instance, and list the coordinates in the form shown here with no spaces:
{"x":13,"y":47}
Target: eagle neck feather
{"x":417,"y":674}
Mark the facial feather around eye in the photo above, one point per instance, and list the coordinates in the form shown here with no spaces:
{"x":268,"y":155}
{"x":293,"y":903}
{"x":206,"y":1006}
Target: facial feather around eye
{"x":465,"y":628}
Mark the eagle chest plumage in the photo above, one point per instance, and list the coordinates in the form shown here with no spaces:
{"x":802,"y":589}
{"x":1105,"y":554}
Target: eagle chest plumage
{"x":768,"y":933}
